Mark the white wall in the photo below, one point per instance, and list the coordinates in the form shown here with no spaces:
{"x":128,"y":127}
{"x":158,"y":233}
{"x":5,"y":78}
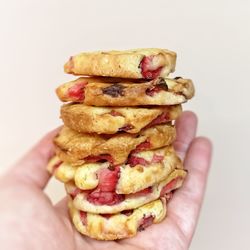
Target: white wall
{"x":212,"y":39}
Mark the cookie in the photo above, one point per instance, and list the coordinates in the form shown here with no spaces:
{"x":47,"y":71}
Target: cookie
{"x":106,"y":120}
{"x":146,"y":167}
{"x":136,"y":64}
{"x":121,"y":92}
{"x":103,"y":201}
{"x":118,"y":226}
{"x":76,"y":148}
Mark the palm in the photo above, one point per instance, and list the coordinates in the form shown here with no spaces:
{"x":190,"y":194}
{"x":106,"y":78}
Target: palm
{"x":45,"y":226}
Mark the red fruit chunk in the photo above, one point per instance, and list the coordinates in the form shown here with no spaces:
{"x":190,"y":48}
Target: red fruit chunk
{"x":126,"y":128}
{"x":75,"y":192}
{"x":160,"y":85}
{"x":143,"y":146}
{"x":98,"y":197}
{"x":145,"y":222}
{"x":144,"y":192}
{"x":108,"y":179}
{"x":151,"y":74}
{"x":127,"y":212}
{"x":157,"y":158}
{"x":153,"y":91}
{"x":146,"y":68}
{"x":141,"y":193}
{"x":99,"y":158}
{"x":162,"y":118}
{"x":76,"y":92}
{"x":115,"y":113}
{"x":169,"y":186}
{"x":83,"y":216}
{"x":134,"y":160}
{"x":105,"y":194}
{"x":106,"y":216}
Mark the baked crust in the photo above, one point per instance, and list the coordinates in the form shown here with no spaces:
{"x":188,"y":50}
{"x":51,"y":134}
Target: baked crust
{"x":86,"y":176}
{"x":106,"y":120}
{"x":117,"y":226}
{"x":73,"y":147}
{"x":131,"y":201}
{"x":124,"y":64}
{"x":121,"y":92}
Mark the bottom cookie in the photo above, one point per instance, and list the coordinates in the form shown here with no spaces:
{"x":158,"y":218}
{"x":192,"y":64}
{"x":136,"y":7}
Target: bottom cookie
{"x":118,"y":226}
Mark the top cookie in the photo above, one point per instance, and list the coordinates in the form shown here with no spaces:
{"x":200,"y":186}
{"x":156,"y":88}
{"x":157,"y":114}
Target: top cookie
{"x":136,"y":64}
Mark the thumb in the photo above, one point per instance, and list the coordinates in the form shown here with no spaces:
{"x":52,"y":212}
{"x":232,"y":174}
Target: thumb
{"x":31,"y":167}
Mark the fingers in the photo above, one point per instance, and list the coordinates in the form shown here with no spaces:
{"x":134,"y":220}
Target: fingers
{"x":32,"y":167}
{"x":186,"y":203}
{"x":186,"y":127}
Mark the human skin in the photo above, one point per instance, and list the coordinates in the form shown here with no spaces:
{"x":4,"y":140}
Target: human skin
{"x":29,"y":220}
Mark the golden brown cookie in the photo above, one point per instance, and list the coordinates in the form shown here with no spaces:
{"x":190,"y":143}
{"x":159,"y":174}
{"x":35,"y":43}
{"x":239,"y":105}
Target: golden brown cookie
{"x":109,"y":202}
{"x":105,"y":120}
{"x":138,"y":63}
{"x":76,"y":148}
{"x":121,"y":92}
{"x":121,"y":225}
{"x":146,"y":167}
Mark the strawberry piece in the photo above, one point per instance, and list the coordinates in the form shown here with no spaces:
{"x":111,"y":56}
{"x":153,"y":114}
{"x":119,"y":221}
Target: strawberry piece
{"x":134,"y":160}
{"x":157,"y":158}
{"x":127,"y":212}
{"x":99,"y":197}
{"x":108,"y":179}
{"x":162,"y":118}
{"x":153,"y":91}
{"x":83,"y":216}
{"x":76,"y":92}
{"x":99,"y":158}
{"x":169,"y":186}
{"x":145,"y":222}
{"x":105,"y":194}
{"x":106,"y":216}
{"x":159,"y":85}
{"x":126,"y":128}
{"x":144,"y":192}
{"x":143,"y":146}
{"x":115,"y":113}
{"x":151,"y":74}
{"x":75,"y":192}
{"x":146,"y":68}
{"x":141,"y":193}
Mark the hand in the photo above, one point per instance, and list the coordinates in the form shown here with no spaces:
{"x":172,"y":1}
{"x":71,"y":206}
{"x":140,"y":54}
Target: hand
{"x":30,"y":221}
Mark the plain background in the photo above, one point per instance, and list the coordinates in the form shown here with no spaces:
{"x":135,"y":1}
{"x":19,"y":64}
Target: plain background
{"x":212,"y":39}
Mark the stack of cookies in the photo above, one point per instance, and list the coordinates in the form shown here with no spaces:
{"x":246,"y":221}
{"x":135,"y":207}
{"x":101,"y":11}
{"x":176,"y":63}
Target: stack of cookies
{"x":114,"y":152}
